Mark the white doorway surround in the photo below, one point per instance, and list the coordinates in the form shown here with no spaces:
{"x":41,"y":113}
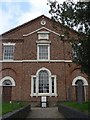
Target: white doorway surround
{"x":84,"y":83}
{"x":44,"y":102}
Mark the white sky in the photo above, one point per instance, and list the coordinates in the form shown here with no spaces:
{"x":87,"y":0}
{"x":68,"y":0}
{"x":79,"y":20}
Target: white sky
{"x":17,"y":12}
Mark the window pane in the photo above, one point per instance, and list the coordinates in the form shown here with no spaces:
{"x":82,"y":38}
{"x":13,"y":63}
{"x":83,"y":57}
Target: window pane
{"x":43,"y":51}
{"x":43,"y":82}
{"x":34,"y":84}
{"x":7,"y":82}
{"x":52,"y":84}
{"x":8,"y":52}
{"x":43,"y":36}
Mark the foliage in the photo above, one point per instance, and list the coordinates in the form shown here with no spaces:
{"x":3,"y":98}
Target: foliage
{"x":81,"y":49}
{"x":76,"y":16}
{"x":71,"y":14}
{"x":9,"y":107}
{"x":84,"y":107}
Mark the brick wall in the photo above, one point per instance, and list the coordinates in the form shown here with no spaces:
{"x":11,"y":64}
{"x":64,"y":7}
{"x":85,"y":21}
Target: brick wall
{"x":26,"y":49}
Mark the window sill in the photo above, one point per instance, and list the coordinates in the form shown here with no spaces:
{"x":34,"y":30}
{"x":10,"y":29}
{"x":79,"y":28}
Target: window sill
{"x":8,"y":60}
{"x":47,"y":60}
{"x":43,"y":94}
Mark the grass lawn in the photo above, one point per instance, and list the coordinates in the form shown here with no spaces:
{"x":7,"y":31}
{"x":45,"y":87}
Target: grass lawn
{"x":84,"y":107}
{"x":9,"y":107}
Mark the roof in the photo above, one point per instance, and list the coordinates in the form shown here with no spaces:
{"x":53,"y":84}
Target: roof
{"x":24,"y":24}
{"x":20,"y":26}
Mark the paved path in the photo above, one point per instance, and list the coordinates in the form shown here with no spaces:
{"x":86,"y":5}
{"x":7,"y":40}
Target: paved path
{"x":51,"y":112}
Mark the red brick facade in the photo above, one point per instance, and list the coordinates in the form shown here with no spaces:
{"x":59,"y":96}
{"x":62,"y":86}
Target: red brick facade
{"x":25,"y":62}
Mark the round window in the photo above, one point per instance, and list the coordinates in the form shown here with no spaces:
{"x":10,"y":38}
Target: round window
{"x":43,"y":22}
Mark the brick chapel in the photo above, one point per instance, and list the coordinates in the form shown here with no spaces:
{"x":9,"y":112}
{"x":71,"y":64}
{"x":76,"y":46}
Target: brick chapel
{"x":37,"y":63}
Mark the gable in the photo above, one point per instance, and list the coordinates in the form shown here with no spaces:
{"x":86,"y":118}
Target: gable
{"x":35,"y":25}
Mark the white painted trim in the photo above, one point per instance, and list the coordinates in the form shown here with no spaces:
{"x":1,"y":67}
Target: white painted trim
{"x":43,"y":42}
{"x":85,"y":92}
{"x":9,"y":78}
{"x":38,"y":52}
{"x":37,"y":84}
{"x":43,"y":68}
{"x":43,"y":22}
{"x":16,"y":61}
{"x":40,"y":32}
{"x":50,"y":85}
{"x":55,"y":85}
{"x":67,"y":60}
{"x":43,"y":94}
{"x":25,"y":35}
{"x":9,"y":43}
{"x":41,"y":29}
{"x":31,"y":85}
{"x":10,"y":61}
{"x":85,"y":83}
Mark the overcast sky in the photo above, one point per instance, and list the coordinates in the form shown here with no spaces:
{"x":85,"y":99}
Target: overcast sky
{"x":17,"y":12}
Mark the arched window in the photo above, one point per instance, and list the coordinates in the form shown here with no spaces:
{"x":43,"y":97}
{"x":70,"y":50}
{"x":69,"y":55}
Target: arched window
{"x":79,"y":82}
{"x":7,"y":83}
{"x":43,"y":83}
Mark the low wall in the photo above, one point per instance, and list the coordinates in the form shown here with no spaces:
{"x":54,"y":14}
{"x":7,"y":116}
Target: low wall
{"x":21,"y":113}
{"x":70,"y":113}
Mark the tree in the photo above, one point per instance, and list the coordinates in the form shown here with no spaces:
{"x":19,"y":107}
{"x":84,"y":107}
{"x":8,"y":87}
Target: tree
{"x":75,"y":16}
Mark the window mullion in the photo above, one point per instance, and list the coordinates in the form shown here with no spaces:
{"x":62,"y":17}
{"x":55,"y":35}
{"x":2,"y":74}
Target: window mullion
{"x":37,"y":85}
{"x":55,"y":86}
{"x":50,"y":86}
{"x":32,"y":86}
{"x":49,"y":52}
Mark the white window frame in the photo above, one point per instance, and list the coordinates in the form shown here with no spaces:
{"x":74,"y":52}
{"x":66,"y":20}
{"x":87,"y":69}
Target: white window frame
{"x":38,"y":52}
{"x":55,"y":85}
{"x":32,"y":83}
{"x":37,"y":85}
{"x":7,"y":44}
{"x":43,"y":33}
